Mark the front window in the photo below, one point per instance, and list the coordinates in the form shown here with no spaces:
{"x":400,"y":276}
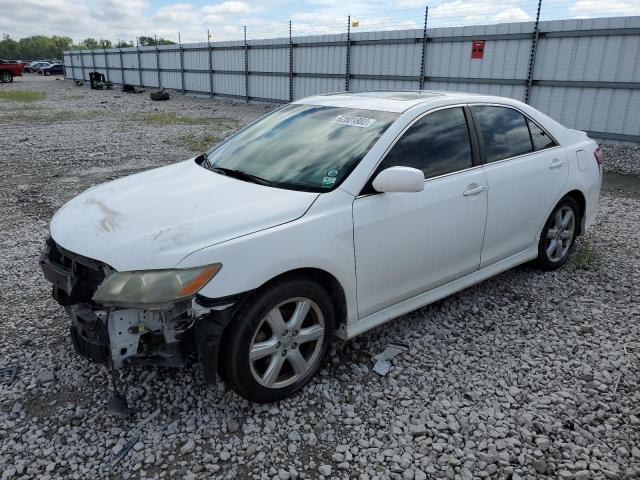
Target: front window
{"x":303,"y":147}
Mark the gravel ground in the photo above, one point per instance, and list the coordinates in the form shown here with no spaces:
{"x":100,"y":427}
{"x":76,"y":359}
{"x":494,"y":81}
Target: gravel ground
{"x":527,"y":375}
{"x":620,"y":158}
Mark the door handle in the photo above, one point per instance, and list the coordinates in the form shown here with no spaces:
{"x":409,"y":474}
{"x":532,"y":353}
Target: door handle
{"x":556,"y":163}
{"x":474,"y":190}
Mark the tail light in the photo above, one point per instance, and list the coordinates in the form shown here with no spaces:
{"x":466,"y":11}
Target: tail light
{"x":598,"y":155}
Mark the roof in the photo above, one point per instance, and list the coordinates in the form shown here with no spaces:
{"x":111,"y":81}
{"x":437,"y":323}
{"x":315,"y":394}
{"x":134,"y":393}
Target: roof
{"x":384,"y":100}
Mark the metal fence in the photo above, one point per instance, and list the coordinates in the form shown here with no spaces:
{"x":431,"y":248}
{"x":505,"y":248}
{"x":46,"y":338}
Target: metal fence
{"x":584,"y":73}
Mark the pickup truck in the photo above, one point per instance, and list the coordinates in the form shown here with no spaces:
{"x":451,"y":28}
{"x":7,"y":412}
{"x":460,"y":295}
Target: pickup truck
{"x":10,"y":70}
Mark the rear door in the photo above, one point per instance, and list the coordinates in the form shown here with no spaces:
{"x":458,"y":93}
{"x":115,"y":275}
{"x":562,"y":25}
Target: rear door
{"x":526,"y":173}
{"x":409,"y":243}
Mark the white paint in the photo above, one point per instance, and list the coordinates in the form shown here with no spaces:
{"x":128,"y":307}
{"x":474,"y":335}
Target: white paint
{"x":399,"y":179}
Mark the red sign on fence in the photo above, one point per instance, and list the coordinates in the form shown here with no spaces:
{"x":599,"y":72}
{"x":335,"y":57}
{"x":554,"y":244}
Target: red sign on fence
{"x":477,"y":49}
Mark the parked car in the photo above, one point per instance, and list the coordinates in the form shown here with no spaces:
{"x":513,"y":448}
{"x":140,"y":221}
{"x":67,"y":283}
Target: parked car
{"x":35,"y":66}
{"x":52,"y":70}
{"x":8,"y":70}
{"x":328,"y":217}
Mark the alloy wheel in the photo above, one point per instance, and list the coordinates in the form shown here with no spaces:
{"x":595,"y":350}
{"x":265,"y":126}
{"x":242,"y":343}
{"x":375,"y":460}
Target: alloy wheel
{"x":287,"y":343}
{"x":560,"y":233}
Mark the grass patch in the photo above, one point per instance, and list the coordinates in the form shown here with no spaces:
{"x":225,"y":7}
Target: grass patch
{"x":22,"y":96}
{"x":164,"y":119}
{"x":199,"y":143}
{"x":47,"y":116}
{"x":585,"y":257}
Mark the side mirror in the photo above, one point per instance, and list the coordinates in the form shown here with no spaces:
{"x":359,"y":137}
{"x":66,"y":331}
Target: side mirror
{"x":399,"y":179}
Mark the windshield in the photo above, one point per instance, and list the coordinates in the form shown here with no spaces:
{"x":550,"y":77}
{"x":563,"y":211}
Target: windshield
{"x":303,"y":147}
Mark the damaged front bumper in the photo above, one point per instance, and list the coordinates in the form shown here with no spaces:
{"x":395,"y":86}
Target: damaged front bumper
{"x":189,"y":332}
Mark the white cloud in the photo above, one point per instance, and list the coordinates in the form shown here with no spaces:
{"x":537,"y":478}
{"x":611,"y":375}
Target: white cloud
{"x":229,"y":8}
{"x":594,"y":8}
{"x":460,"y":12}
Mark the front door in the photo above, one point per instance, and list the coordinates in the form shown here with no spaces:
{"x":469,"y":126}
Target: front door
{"x":409,"y":243}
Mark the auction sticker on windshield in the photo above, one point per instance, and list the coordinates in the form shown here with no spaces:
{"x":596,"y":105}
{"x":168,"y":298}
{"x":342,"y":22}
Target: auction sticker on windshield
{"x":353,"y":121}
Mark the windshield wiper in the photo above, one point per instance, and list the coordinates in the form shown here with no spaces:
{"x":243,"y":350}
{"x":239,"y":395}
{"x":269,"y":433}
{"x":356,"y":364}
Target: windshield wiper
{"x":230,"y":172}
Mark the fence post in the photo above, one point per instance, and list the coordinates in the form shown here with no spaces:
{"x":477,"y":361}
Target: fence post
{"x":423,"y":56}
{"x":139,"y":62}
{"x":532,"y":55}
{"x":93,"y":60}
{"x":246,"y":66}
{"x":290,"y":65}
{"x":106,"y":62}
{"x":210,"y":63}
{"x":181,"y":63}
{"x":348,"y":58}
{"x":121,"y":66}
{"x":82,"y":64}
{"x":158,"y":62}
{"x":73,"y":69}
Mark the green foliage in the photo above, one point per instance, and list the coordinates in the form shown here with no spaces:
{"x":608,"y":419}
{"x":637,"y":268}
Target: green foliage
{"x":585,"y":257}
{"x":21,"y":96}
{"x":199,"y":143}
{"x":123,"y":44}
{"x":150,"y":41}
{"x":34,"y":48}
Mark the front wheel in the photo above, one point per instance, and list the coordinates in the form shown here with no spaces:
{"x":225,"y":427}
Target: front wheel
{"x":6,"y":77}
{"x":558,"y":235}
{"x":278,"y":340}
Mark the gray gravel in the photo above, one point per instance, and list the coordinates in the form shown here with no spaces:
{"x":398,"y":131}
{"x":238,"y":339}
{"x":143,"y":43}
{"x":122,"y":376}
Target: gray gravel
{"x":527,"y":375}
{"x":621,"y":158}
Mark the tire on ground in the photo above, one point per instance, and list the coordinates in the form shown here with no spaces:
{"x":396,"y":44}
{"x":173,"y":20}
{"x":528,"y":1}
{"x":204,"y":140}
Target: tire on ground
{"x":236,"y":342}
{"x":543,"y":260}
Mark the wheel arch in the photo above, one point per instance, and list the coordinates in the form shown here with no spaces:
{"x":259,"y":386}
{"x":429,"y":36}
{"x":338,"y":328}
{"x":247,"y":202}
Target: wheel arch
{"x":323,"y":278}
{"x":581,"y":200}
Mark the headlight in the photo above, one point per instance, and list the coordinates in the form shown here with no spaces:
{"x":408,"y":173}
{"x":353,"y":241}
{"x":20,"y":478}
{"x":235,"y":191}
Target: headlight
{"x":153,"y":289}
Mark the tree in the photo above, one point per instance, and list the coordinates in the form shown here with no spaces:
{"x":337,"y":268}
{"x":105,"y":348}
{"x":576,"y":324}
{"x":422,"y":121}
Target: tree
{"x":150,"y":41}
{"x":90,"y":44}
{"x":105,"y":43}
{"x":123,"y":44}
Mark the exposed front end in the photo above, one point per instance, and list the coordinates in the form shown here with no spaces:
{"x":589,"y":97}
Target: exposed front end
{"x":164,"y":333}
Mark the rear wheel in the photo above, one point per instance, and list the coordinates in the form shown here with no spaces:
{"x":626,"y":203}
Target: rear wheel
{"x":6,"y":77}
{"x":558,"y":235}
{"x":278,"y":340}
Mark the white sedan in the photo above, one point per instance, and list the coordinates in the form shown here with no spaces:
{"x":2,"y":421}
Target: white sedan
{"x":327,"y":217}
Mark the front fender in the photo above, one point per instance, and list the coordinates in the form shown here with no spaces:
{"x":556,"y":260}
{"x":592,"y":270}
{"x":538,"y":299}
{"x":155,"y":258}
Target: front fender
{"x":321,"y":239}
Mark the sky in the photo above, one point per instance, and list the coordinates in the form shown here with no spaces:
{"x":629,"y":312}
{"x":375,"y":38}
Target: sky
{"x":128,"y":19}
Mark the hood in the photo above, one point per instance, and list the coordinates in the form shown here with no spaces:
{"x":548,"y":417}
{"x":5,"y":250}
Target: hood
{"x":153,"y":219}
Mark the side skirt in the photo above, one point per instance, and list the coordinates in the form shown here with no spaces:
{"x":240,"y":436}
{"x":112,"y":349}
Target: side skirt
{"x":406,"y":306}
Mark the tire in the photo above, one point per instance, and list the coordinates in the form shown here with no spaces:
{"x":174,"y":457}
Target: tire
{"x":159,"y":96}
{"x":6,"y":77}
{"x":555,"y":244}
{"x":283,"y":363}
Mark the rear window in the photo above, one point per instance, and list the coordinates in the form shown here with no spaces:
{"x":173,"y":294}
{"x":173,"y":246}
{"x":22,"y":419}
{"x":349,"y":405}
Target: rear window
{"x":504,"y":132}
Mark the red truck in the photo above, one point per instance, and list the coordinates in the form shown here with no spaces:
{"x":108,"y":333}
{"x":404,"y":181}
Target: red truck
{"x":10,"y":70}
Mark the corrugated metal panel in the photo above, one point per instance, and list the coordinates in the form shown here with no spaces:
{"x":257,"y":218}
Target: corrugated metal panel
{"x":229,"y":84}
{"x":262,"y":86}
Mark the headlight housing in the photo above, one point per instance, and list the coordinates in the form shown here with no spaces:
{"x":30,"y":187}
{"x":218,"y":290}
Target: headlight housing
{"x":153,"y":289}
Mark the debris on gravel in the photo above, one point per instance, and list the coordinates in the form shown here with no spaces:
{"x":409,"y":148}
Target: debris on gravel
{"x":528,"y":375}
